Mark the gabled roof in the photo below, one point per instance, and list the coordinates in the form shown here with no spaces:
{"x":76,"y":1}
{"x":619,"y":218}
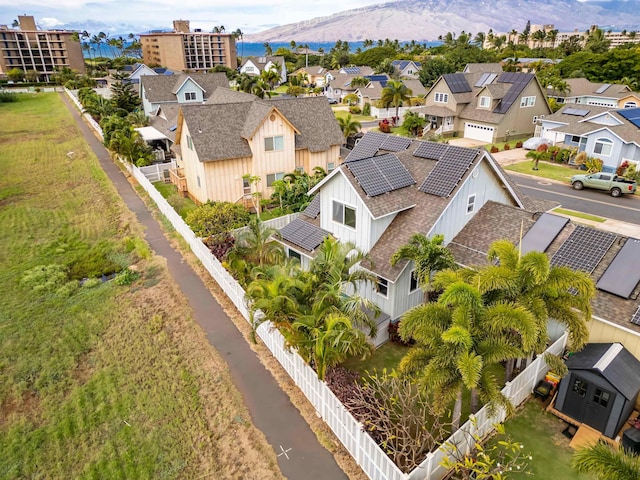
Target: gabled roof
{"x":482,"y":67}
{"x":165,"y":120}
{"x":402,"y":64}
{"x":360,"y":70}
{"x":261,"y":62}
{"x":162,"y":88}
{"x":581,"y":87}
{"x":416,"y":87}
{"x":311,"y":70}
{"x":583,"y":125}
{"x":495,"y":221}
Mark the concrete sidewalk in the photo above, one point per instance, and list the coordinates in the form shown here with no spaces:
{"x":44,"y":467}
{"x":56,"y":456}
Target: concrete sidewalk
{"x":300,"y":455}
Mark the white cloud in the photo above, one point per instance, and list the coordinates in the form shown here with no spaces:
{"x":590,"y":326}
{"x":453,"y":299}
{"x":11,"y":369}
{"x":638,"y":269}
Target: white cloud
{"x":48,"y":22}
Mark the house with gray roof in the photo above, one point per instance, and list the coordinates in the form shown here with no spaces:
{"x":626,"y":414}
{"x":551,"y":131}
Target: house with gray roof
{"x":584,"y":92}
{"x":157,"y":90}
{"x":254,"y":66}
{"x":390,"y":187}
{"x":485,"y":105}
{"x":407,"y":68}
{"x":613,"y":136}
{"x":234,"y":134}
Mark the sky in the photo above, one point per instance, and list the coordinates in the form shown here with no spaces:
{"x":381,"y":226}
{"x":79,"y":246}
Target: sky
{"x":138,"y":16}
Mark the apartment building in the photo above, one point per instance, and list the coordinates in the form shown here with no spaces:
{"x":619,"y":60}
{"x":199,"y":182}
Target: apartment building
{"x":45,"y":51}
{"x":183,"y":49}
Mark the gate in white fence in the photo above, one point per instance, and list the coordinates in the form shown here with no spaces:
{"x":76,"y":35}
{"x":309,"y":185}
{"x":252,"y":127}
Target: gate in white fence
{"x":371,"y":458}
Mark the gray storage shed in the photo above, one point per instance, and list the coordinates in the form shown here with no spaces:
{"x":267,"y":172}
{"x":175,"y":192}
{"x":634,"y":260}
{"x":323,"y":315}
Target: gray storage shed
{"x":601,"y":387}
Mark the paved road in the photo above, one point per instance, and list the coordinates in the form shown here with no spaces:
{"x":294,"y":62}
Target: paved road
{"x":270,"y":408}
{"x":624,"y":209}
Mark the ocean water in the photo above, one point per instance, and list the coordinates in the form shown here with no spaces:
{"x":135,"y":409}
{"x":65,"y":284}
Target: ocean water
{"x":246,"y":49}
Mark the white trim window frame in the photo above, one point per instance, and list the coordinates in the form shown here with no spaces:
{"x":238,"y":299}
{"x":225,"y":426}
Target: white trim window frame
{"x":529,"y":101}
{"x":382,"y":287}
{"x":189,"y":96}
{"x":274,"y":144}
{"x":272,"y":177}
{"x":440,"y":97}
{"x":603,"y":146}
{"x":344,"y":214}
{"x":471,"y":203}
{"x":484,"y":102}
{"x":414,"y":285}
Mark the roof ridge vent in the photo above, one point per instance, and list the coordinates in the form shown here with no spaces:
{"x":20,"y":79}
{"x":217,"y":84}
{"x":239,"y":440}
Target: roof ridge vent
{"x":608,"y":357}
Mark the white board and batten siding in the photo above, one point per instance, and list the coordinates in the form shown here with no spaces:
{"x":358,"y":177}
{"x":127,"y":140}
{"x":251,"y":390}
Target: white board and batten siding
{"x":482,"y":183}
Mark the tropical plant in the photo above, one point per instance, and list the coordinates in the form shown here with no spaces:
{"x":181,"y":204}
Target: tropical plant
{"x":213,"y":218}
{"x":348,"y":125}
{"x":256,"y":244}
{"x":291,"y":192}
{"x":413,"y":123}
{"x":607,"y":462}
{"x":428,"y":255}
{"x":537,"y":155}
{"x":395,"y":93}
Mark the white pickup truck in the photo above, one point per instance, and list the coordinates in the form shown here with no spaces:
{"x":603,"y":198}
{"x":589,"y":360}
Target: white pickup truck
{"x":615,"y":185}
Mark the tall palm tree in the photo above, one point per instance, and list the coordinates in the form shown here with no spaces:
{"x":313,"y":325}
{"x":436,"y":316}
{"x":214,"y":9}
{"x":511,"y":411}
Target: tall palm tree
{"x":607,"y":462}
{"x":349,"y":126}
{"x":428,"y":256}
{"x":395,"y":93}
{"x":268,"y":50}
{"x":256,"y":244}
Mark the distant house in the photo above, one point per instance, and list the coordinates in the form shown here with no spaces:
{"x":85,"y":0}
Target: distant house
{"x":485,"y":106}
{"x":527,"y":64}
{"x":340,"y":86}
{"x":313,"y":75}
{"x":373,"y":91}
{"x":140,"y":70}
{"x":584,"y":92}
{"x":407,"y":68}
{"x":254,"y":66}
{"x":158,"y":90}
{"x":613,"y":136}
{"x":236,"y":134}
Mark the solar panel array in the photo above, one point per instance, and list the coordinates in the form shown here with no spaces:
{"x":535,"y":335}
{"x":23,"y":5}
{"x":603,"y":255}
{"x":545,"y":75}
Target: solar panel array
{"x":383,"y":79}
{"x":584,"y":249}
{"x":303,"y":234}
{"x":394,"y":143}
{"x":430,"y":150}
{"x":313,"y":209}
{"x":542,"y":233}
{"x":635,"y":318}
{"x":578,"y":112}
{"x":351,"y":70}
{"x":623,"y":274}
{"x":519,"y":81}
{"x":602,"y":88}
{"x":449,"y":170}
{"x":631,"y":114}
{"x":457,"y":82}
{"x":485,"y":79}
{"x":367,"y":147}
{"x":381,"y":174}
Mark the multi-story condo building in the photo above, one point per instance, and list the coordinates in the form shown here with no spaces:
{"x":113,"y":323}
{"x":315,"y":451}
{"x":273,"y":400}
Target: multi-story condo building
{"x":44,"y":51}
{"x":183,"y":49}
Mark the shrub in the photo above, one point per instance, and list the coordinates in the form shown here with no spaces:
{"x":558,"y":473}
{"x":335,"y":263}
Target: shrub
{"x":506,"y":146}
{"x":384,"y":126}
{"x":126,"y":277}
{"x":621,"y":170}
{"x":6,"y":97}
{"x":581,"y":158}
{"x":366,"y":109}
{"x":494,"y":149}
{"x":593,"y":165}
{"x":45,"y":278}
{"x":355,"y":110}
{"x":217,"y":217}
{"x":219,"y":245}
{"x":518,"y":144}
{"x":91,"y":283}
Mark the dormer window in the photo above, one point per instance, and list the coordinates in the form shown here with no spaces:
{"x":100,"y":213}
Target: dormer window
{"x":484,"y":102}
{"x":441,"y":97}
{"x":189,"y":96}
{"x":272,"y":144}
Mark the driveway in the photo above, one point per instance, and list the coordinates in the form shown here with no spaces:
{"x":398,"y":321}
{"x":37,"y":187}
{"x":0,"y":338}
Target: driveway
{"x":508,"y":157}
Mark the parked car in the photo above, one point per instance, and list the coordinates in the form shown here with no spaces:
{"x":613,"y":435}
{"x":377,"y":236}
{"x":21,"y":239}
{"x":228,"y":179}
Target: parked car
{"x":615,"y":185}
{"x":332,"y":101}
{"x":534,"y":142}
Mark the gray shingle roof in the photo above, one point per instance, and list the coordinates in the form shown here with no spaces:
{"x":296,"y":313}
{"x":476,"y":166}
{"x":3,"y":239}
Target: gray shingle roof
{"x":580,"y":87}
{"x":161,"y":88}
{"x":483,"y":67}
{"x":577,"y":125}
{"x":165,"y":119}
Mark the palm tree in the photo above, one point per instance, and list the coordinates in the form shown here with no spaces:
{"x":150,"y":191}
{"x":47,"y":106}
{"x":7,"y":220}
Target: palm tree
{"x":395,"y":93}
{"x":428,"y":256}
{"x":268,"y":50}
{"x":349,"y":126}
{"x":479,"y":39}
{"x":359,"y":82}
{"x":256,"y":244}
{"x":607,"y":462}
{"x":238,"y":34}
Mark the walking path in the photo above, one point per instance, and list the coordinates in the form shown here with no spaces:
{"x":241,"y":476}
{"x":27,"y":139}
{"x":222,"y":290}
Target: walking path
{"x":300,"y":455}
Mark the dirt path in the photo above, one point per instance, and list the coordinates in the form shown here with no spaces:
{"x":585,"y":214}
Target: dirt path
{"x":300,"y":455}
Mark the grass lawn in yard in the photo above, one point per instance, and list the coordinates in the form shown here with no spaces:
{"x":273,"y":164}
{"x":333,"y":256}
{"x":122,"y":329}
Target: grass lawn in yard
{"x":586,"y":216}
{"x":356,"y":118}
{"x":387,"y":356}
{"x":541,"y":434}
{"x":99,"y":380}
{"x":552,"y":171}
{"x":182,"y":205}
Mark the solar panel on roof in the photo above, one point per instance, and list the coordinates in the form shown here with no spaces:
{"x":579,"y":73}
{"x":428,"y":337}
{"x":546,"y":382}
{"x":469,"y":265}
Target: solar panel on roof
{"x":575,"y":111}
{"x":394,"y":171}
{"x":602,"y":88}
{"x":623,"y":274}
{"x":457,"y":82}
{"x":542,"y":233}
{"x":584,"y":249}
{"x":490,"y":79}
{"x":313,"y":209}
{"x":381,"y":174}
{"x":367,"y":147}
{"x":303,"y":234}
{"x":631,"y":114}
{"x":393,"y":143}
{"x":430,"y":150}
{"x":635,"y":318}
{"x":448,"y":172}
{"x":481,"y":80}
{"x":351,"y":70}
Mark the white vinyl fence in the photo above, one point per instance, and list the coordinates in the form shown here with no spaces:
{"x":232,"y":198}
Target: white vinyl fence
{"x":73,"y":95}
{"x":155,"y":172}
{"x":371,"y":458}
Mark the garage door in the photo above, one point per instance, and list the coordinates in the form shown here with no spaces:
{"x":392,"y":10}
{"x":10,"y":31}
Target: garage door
{"x":478,"y":132}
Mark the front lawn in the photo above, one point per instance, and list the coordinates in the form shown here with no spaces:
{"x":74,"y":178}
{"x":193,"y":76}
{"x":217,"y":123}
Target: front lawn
{"x":387,"y":356}
{"x":552,"y":171}
{"x":182,"y":205}
{"x":355,"y":118}
{"x":541,"y":434}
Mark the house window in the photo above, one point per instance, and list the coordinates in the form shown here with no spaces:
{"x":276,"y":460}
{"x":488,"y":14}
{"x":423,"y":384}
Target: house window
{"x":331,"y":166}
{"x":441,"y":97}
{"x":300,"y":169}
{"x":189,"y":142}
{"x":603,"y":147}
{"x":293,"y":254}
{"x":471,"y":203}
{"x":198,"y":180}
{"x":579,"y":387}
{"x":249,"y":69}
{"x":344,"y":214}
{"x":413,"y":282}
{"x":272,"y":177}
{"x":630,"y":105}
{"x":246,"y":186}
{"x":383,"y":286}
{"x":189,"y":96}
{"x":274,"y":143}
{"x":528,"y":101}
{"x":601,"y":397}
{"x":484,"y":102}
{"x":575,"y":139}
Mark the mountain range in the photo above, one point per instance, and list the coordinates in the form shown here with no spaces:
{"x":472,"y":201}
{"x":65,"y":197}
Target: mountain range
{"x":428,"y":19}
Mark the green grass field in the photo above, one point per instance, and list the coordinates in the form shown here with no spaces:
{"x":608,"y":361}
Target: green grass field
{"x":549,"y":170}
{"x":101,"y":380}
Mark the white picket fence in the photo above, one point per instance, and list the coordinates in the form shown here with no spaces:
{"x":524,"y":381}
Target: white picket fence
{"x":369,"y":456}
{"x":155,"y":172}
